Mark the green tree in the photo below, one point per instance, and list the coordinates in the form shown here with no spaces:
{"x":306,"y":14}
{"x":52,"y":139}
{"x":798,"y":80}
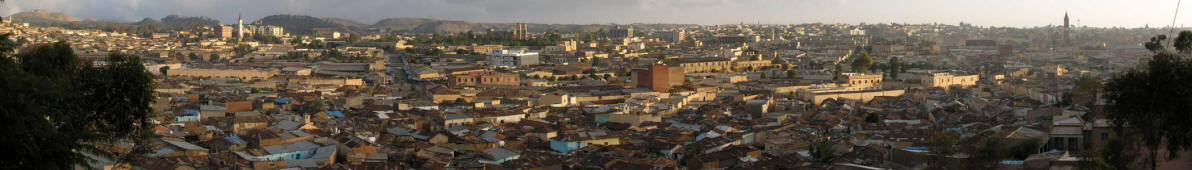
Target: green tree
{"x":790,"y":74}
{"x":862,"y":64}
{"x":164,"y":70}
{"x":1156,"y":43}
{"x":1065,"y":99}
{"x":242,"y":50}
{"x":193,"y":56}
{"x":822,"y":152}
{"x":317,"y":104}
{"x":460,"y":101}
{"x":61,"y":107}
{"x":941,"y":145}
{"x":1024,"y":148}
{"x":1183,"y":42}
{"x":836,"y":72}
{"x":1146,"y":102}
{"x":873,"y":118}
{"x":213,"y":57}
{"x":597,"y":62}
{"x":985,"y":152}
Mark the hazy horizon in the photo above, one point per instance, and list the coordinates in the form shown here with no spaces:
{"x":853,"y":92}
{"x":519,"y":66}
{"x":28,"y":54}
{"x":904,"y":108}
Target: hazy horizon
{"x":1008,"y":13}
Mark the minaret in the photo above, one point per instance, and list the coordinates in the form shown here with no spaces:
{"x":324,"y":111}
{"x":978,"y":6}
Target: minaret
{"x":240,"y":27}
{"x":1066,"y":26}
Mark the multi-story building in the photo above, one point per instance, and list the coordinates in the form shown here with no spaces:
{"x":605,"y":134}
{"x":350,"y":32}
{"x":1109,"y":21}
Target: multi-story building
{"x":246,"y":74}
{"x":621,"y":32}
{"x":695,"y":65}
{"x":486,"y":78}
{"x":672,"y":36}
{"x":946,"y":80}
{"x":861,"y":81}
{"x":225,"y":31}
{"x":852,"y":86}
{"x":485,"y":49}
{"x":746,"y":64}
{"x":270,"y":30}
{"x":659,"y":78}
{"x":521,"y":32}
{"x":512,"y":58}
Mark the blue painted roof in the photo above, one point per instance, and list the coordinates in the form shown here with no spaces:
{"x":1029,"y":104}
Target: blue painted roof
{"x":916,"y":148}
{"x":283,"y":100}
{"x":190,"y":111}
{"x":236,"y":139}
{"x":335,"y":113}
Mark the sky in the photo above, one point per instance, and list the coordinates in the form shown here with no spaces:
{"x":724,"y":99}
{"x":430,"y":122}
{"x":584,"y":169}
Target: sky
{"x":1002,"y":13}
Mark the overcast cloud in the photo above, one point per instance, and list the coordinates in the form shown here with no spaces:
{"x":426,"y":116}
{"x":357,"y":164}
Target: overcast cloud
{"x":1102,"y":13}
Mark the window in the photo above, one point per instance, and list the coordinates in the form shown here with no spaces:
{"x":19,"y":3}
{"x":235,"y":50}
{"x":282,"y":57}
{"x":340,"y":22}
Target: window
{"x":1104,"y":136}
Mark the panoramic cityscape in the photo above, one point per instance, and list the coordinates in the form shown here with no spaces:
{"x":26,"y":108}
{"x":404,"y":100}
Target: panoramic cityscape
{"x":557,"y":85}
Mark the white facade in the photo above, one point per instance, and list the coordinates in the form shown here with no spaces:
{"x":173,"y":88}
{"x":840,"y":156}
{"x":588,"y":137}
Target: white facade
{"x":512,"y":58}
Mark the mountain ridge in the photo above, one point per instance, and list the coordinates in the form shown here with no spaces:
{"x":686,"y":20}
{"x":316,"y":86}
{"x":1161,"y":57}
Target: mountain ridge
{"x":304,"y":24}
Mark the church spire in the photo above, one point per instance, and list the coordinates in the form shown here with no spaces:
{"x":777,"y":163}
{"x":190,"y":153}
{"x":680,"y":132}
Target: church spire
{"x":1066,"y":28}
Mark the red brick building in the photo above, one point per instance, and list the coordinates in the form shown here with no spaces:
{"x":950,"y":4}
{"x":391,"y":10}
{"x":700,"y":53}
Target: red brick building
{"x":659,"y":78}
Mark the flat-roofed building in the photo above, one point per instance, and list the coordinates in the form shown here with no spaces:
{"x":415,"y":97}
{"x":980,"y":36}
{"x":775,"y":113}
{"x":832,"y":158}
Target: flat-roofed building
{"x":659,"y":78}
{"x":756,"y":64}
{"x":486,"y":78}
{"x":246,"y":74}
{"x":854,"y":86}
{"x":696,"y":65}
{"x":672,"y":36}
{"x":857,"y":80}
{"x":512,"y":58}
{"x":946,"y":80}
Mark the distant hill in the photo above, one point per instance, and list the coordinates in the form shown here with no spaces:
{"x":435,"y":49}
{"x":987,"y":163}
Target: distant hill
{"x":147,"y":21}
{"x":402,"y":24}
{"x":301,"y":24}
{"x":346,"y":22}
{"x":184,"y":22}
{"x":43,"y":17}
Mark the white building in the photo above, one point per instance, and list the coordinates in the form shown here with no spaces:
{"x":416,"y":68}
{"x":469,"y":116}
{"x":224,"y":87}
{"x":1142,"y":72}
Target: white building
{"x":856,"y":32}
{"x":673,"y":36}
{"x":512,"y":58}
{"x":270,"y":30}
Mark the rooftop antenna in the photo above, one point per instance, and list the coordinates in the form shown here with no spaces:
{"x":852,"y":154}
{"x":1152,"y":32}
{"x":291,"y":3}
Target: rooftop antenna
{"x":1173,"y":16}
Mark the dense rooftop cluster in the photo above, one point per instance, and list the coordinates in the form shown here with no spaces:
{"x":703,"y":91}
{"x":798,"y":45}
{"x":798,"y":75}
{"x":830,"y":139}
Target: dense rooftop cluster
{"x":696,"y":97}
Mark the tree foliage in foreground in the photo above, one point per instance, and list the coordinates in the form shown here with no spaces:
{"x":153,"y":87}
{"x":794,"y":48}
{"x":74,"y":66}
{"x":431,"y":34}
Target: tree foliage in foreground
{"x":57,"y":107}
{"x":1154,"y":104}
{"x":862,"y":63}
